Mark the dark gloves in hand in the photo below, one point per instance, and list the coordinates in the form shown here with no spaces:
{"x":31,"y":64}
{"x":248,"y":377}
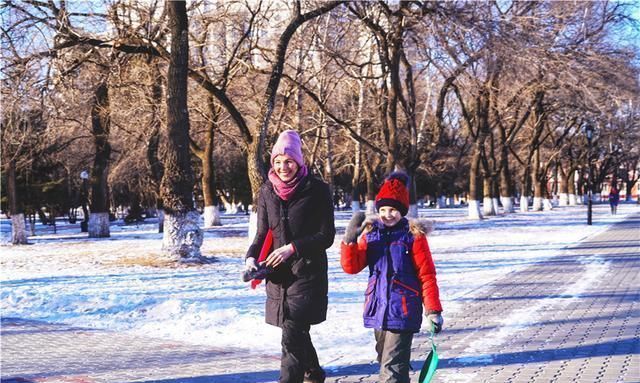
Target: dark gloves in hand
{"x":437,"y":321}
{"x":253,"y":270}
{"x":354,"y":228}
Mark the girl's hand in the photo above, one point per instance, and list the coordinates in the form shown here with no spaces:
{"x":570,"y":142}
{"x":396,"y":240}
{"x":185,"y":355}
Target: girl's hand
{"x":280,"y":255}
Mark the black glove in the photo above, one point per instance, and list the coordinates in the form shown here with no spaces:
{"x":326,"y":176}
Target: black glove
{"x":254,"y":270}
{"x":260,"y":273}
{"x":354,"y":228}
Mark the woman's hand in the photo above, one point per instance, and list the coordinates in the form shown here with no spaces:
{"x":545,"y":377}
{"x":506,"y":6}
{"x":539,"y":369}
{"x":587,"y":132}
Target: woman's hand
{"x":280,"y":255}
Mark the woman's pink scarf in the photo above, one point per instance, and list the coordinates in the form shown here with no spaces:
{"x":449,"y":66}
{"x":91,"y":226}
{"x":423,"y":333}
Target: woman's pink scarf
{"x":285,"y":190}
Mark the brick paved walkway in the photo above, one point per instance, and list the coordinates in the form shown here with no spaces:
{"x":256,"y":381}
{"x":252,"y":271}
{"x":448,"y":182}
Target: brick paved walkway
{"x":573,"y":318}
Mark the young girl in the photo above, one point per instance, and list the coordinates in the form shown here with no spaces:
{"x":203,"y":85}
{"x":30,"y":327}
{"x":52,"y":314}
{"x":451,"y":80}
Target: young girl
{"x":402,"y":277}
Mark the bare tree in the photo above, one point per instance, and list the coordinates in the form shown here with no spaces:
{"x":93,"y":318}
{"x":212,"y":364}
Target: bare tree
{"x":182,"y":235}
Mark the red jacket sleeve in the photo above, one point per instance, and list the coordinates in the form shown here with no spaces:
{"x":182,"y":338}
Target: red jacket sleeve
{"x":426,"y":274}
{"x":353,"y":257}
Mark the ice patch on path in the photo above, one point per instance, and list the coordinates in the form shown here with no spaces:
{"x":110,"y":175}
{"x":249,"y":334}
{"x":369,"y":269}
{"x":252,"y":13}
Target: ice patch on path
{"x":595,"y":269}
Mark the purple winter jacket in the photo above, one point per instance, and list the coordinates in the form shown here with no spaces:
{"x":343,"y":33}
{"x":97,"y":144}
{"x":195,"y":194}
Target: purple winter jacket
{"x":392,"y":298}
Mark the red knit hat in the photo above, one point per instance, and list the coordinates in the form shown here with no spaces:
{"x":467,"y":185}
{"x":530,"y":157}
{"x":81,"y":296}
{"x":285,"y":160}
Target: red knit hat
{"x":394,"y":193}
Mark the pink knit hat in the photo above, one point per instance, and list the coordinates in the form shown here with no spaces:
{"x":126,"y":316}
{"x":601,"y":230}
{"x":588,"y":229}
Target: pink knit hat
{"x":288,"y":143}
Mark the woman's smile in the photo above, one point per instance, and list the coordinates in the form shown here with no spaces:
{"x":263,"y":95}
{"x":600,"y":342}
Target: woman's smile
{"x":285,"y":167}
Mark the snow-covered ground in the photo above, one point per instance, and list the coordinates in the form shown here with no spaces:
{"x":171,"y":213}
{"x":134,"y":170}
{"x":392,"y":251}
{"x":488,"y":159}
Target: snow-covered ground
{"x":117,"y":284}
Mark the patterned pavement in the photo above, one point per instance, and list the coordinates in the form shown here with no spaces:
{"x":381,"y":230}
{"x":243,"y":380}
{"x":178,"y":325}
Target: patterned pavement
{"x":573,"y":318}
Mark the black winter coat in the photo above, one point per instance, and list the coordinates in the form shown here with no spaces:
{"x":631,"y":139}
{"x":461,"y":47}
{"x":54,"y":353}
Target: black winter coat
{"x":297,"y":289}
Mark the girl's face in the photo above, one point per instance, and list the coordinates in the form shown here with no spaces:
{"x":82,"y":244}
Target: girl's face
{"x":389,"y":215}
{"x":285,"y":167}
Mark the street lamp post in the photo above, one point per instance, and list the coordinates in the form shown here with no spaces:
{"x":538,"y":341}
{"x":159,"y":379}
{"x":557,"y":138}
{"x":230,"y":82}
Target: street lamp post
{"x":84,"y":225}
{"x":589,"y":132}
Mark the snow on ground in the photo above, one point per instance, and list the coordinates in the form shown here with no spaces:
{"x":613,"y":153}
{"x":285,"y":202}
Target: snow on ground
{"x":110,"y":284}
{"x":516,"y":321}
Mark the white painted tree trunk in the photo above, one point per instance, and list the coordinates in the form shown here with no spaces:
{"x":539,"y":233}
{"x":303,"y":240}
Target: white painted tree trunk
{"x":442,"y":202}
{"x":474,"y":209}
{"x":413,"y":211}
{"x":230,"y":208}
{"x":253,"y":225}
{"x":563,"y":199}
{"x":487,"y":206}
{"x":182,"y":237}
{"x":524,"y":204}
{"x":18,"y":229}
{"x":537,"y":204}
{"x":507,"y":204}
{"x":371,"y":208}
{"x":573,"y":200}
{"x":355,"y":206}
{"x":546,"y":204}
{"x":496,"y":205}
{"x":99,"y":225}
{"x":212,"y":216}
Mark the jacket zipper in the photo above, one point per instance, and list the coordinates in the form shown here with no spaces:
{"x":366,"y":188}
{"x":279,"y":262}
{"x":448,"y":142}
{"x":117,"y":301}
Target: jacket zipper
{"x":406,"y":287}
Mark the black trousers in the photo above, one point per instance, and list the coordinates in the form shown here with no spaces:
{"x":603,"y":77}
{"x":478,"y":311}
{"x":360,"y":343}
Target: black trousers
{"x":298,"y":354}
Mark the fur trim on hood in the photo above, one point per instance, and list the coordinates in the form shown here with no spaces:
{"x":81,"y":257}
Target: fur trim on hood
{"x":421,"y":226}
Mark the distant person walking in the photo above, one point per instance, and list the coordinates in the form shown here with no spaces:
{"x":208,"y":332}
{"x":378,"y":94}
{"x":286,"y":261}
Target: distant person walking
{"x":298,"y":210}
{"x":614,"y":198}
{"x":402,"y":277}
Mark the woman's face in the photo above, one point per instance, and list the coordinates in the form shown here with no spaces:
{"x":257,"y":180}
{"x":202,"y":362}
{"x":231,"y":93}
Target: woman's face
{"x":285,"y":167}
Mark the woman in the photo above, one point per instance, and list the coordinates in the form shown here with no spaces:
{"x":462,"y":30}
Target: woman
{"x":298,"y":209}
{"x":614,"y":198}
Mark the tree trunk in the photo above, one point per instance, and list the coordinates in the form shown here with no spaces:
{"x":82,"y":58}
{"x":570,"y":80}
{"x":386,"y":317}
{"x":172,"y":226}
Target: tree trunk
{"x":629,"y":191}
{"x":182,"y":235}
{"x":211,"y":201}
{"x":571,"y":187}
{"x":101,"y":125}
{"x":537,"y":195}
{"x":495,"y":192}
{"x":355,"y":179}
{"x":474,"y":190}
{"x":535,"y":181}
{"x":413,"y":206}
{"x":487,"y":200}
{"x":506,"y":190}
{"x":563,"y":187}
{"x":328,"y":168}
{"x":18,"y":226}
{"x":526,"y":189}
{"x":538,"y":180}
{"x":370,"y":207}
{"x":153,"y":145}
{"x":630,"y":179}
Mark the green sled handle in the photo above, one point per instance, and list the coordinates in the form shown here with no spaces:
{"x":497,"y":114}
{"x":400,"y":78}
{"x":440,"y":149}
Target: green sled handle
{"x":430,"y":363}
